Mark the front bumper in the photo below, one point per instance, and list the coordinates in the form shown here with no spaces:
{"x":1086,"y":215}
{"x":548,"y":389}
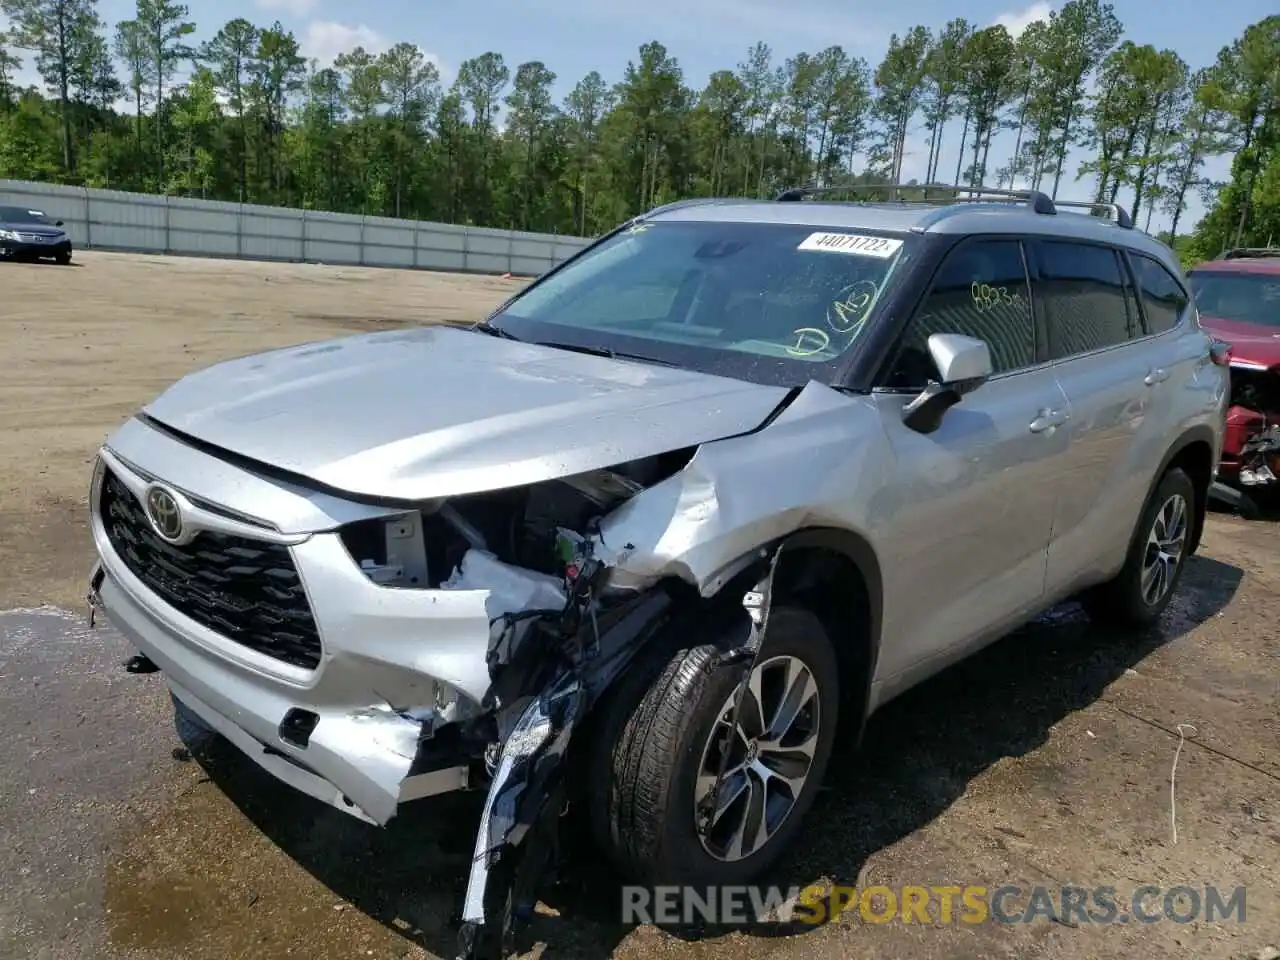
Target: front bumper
{"x":24,"y":250}
{"x":393,"y":660}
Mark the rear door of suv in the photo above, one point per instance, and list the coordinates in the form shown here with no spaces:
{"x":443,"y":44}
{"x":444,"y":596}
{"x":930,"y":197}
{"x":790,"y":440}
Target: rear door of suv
{"x":1121,"y":368}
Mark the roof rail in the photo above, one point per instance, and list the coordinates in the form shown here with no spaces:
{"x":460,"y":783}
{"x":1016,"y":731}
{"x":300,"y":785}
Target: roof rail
{"x":676,"y":205}
{"x":1240,"y":253}
{"x":1037,"y":201}
{"x":1116,"y":212}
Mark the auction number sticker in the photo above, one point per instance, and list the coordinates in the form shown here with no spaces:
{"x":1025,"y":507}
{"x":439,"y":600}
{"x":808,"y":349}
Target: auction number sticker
{"x":851,"y":243}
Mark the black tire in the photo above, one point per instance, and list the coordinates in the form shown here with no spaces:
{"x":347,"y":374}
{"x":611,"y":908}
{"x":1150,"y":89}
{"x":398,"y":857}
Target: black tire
{"x":64,"y":259}
{"x":1120,"y":602}
{"x":649,"y":746}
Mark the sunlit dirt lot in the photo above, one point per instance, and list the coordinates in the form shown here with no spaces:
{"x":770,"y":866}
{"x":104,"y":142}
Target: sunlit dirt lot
{"x":1044,"y":761}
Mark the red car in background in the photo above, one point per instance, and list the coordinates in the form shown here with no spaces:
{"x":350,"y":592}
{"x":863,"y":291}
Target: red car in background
{"x":1238,"y":297}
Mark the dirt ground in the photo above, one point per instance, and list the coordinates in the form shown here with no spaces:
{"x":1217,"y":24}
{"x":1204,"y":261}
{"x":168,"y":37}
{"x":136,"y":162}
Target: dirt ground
{"x":1046,"y":760}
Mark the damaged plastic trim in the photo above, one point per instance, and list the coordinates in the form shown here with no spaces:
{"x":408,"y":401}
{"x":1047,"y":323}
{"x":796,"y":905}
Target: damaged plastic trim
{"x":524,"y":799}
{"x":1261,"y":450}
{"x":517,"y":834}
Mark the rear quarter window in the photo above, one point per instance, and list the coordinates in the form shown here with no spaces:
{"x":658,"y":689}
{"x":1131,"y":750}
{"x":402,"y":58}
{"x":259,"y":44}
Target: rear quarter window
{"x":1163,"y":298}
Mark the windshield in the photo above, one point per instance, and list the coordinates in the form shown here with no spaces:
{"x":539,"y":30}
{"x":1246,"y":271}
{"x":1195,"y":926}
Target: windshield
{"x":23,"y":215}
{"x":1243,"y":297}
{"x":768,"y":302}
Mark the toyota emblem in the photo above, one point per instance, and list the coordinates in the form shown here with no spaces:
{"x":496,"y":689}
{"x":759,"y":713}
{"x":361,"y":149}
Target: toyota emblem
{"x":164,"y":513}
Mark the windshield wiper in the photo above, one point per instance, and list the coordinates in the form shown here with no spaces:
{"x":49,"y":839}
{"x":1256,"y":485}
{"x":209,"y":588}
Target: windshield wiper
{"x":602,"y":352}
{"x":484,"y":326}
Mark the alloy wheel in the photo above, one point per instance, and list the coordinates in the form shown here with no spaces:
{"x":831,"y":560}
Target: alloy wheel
{"x":1165,"y":544}
{"x":768,"y":756}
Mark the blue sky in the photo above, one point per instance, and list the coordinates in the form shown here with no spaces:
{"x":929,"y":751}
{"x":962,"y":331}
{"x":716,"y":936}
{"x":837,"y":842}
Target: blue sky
{"x":574,"y":37}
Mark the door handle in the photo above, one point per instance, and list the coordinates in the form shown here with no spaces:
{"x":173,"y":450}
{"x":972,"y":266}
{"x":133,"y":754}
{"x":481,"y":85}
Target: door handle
{"x":1048,"y":419}
{"x":1157,"y":375}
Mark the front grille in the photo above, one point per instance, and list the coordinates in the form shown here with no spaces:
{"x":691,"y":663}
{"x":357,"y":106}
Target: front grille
{"x":36,"y":238}
{"x":246,"y":590}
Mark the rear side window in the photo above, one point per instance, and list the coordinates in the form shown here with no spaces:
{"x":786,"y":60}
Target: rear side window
{"x":980,"y":291}
{"x":1163,"y":298}
{"x":1085,"y":297}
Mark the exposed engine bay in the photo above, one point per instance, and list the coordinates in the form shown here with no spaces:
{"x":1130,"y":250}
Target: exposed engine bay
{"x":520,"y":526}
{"x":533,"y":549}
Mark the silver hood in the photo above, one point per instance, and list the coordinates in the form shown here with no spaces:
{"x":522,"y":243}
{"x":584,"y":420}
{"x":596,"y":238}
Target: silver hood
{"x":434,"y":411}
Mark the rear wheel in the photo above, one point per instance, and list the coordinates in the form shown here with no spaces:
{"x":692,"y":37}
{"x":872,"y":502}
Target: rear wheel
{"x":663,"y":739}
{"x":1157,"y":555}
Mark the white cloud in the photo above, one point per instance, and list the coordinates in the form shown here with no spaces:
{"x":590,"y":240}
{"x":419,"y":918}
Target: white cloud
{"x":325,"y":39}
{"x":1016,"y":21}
{"x":297,"y":8}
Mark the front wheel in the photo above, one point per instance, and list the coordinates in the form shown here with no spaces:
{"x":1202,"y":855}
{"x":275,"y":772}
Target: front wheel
{"x":1139,"y":594}
{"x":663,"y":742}
{"x":64,"y":259}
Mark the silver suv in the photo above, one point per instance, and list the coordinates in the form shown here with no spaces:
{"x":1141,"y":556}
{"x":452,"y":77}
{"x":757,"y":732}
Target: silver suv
{"x":665,"y":529}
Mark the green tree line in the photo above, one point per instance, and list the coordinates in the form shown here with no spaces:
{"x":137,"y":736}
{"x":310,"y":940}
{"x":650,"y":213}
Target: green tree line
{"x":246,"y":117}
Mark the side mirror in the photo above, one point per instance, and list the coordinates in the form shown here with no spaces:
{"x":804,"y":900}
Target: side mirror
{"x":57,"y":223}
{"x":964,"y":364}
{"x":1220,"y":352}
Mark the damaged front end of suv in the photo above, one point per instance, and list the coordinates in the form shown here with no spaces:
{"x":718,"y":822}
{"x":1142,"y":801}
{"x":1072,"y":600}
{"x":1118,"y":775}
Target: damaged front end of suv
{"x":419,"y":648}
{"x":401,"y":564}
{"x":373,"y":650}
{"x":565,"y":617}
{"x":1251,"y":453}
{"x":485,"y":628}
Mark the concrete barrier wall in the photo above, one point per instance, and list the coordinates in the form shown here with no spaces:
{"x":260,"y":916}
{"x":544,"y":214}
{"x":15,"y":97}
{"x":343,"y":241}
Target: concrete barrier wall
{"x":143,"y":223}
